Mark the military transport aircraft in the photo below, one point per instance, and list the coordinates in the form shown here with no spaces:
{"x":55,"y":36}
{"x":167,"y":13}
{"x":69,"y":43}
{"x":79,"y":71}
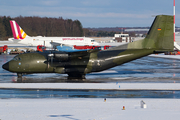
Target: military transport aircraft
{"x":77,"y":64}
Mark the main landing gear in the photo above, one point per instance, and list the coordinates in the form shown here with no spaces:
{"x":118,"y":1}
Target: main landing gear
{"x":76,"y":76}
{"x":19,"y":75}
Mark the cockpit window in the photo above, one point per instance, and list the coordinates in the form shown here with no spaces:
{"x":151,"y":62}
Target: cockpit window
{"x":93,"y":41}
{"x":17,"y":58}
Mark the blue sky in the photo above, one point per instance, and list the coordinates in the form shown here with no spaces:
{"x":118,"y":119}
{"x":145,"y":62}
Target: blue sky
{"x":94,"y":13}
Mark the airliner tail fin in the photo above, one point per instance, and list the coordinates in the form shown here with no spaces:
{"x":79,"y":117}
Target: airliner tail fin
{"x":18,"y":32}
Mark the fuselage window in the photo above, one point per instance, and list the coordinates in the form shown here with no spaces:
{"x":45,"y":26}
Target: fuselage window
{"x":17,"y":58}
{"x":92,"y":40}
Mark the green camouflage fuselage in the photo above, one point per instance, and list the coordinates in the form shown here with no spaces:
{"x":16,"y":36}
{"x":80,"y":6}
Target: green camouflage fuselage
{"x":92,"y":62}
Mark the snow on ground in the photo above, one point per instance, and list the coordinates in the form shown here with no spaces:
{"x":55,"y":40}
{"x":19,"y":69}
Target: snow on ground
{"x":89,"y":109}
{"x":93,"y":86}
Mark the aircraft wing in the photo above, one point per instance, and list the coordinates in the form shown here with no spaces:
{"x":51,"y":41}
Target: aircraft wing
{"x":60,"y":58}
{"x":55,"y":44}
{"x":69,"y":48}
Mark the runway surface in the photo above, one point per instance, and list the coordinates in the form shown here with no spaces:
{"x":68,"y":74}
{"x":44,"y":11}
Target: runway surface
{"x":21,"y":93}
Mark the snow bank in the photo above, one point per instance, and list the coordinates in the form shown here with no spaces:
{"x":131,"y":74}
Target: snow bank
{"x":93,"y":86}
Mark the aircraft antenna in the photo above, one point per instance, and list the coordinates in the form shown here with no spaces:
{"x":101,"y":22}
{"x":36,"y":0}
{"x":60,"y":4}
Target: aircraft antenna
{"x":174,"y":20}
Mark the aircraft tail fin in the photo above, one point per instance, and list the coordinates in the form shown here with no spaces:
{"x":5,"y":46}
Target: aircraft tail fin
{"x":160,"y":36}
{"x":18,"y":32}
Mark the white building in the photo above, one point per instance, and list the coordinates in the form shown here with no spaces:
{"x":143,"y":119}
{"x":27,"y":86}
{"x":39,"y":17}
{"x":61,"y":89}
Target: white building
{"x":122,"y":38}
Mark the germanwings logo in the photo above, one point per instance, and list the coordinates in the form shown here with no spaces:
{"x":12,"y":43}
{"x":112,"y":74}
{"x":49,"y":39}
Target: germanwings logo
{"x":73,"y":39}
{"x":17,"y":31}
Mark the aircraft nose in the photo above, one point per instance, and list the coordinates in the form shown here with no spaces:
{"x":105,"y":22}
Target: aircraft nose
{"x":6,"y":66}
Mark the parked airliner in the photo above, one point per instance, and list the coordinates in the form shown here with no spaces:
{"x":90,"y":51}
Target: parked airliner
{"x":21,"y":37}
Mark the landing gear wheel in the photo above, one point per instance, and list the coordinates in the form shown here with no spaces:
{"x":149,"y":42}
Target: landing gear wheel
{"x":19,"y":75}
{"x":76,"y":76}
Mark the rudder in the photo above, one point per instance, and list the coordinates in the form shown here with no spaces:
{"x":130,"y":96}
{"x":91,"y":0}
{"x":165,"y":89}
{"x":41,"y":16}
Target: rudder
{"x":160,"y":37}
{"x":161,"y":34}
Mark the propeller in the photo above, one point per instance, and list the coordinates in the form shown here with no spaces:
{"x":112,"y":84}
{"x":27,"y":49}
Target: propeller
{"x":50,"y":58}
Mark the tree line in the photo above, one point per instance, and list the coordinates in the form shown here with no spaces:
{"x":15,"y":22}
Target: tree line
{"x":44,"y":26}
{"x":5,"y":28}
{"x":94,"y":33}
{"x":38,"y":26}
{"x":99,"y":33}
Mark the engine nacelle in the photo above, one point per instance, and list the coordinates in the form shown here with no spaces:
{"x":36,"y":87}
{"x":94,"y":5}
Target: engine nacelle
{"x":61,"y":56}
